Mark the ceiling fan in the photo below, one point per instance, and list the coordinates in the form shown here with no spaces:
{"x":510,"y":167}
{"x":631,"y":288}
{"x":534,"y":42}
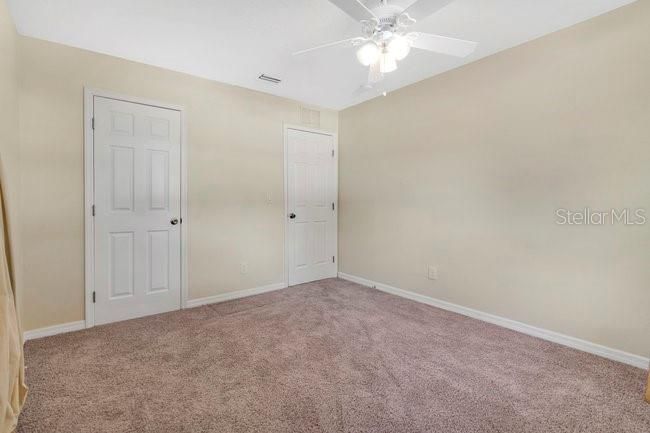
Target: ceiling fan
{"x":386,"y":36}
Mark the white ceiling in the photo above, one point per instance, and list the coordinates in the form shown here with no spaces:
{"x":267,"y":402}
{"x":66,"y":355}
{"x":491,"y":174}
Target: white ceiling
{"x":235,"y":41}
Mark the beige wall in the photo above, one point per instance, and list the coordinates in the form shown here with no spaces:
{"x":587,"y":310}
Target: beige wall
{"x":235,"y":160}
{"x":465,"y":171}
{"x":9,"y":148}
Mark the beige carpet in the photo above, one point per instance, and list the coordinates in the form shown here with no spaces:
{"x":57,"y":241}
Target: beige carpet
{"x":329,"y":356}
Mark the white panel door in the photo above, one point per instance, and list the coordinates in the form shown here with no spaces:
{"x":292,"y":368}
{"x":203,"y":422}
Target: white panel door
{"x":137,"y":163}
{"x":312,"y":195}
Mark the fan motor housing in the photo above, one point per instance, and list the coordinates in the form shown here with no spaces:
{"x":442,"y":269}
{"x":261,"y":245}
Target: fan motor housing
{"x":386,"y":11}
{"x":387,"y":18}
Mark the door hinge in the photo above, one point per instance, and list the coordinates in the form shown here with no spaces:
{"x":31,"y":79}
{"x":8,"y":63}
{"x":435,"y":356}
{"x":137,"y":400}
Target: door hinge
{"x":333,"y":259}
{"x":94,"y":297}
{"x":92,"y":123}
{"x":332,"y":205}
{"x":332,"y":153}
{"x":93,"y":210}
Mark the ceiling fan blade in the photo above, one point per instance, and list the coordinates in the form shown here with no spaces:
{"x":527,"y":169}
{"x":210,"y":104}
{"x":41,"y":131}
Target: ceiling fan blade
{"x":355,"y":9}
{"x":423,"y":8}
{"x":443,"y":44}
{"x":351,"y":41}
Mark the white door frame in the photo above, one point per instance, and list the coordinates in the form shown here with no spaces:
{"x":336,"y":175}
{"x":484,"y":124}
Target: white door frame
{"x":89,"y":194}
{"x":335,"y":139}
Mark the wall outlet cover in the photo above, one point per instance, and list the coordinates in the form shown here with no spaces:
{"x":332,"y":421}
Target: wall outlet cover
{"x":432,"y":272}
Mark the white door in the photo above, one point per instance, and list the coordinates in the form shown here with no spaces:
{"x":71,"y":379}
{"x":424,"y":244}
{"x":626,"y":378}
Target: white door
{"x":137,"y":162}
{"x":312,"y":191}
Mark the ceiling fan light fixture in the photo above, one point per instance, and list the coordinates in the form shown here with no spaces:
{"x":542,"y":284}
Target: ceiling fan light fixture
{"x":374,"y":74}
{"x":387,"y":62}
{"x":399,"y":47}
{"x":368,"y":54}
{"x":386,"y":37}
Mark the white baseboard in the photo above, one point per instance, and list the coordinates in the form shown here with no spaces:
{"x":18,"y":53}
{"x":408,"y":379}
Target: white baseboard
{"x":234,"y":295}
{"x":54,"y":330}
{"x":76,"y":326}
{"x":575,"y":343}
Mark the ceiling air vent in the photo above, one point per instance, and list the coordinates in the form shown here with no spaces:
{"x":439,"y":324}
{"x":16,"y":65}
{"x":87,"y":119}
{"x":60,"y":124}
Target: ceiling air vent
{"x":273,"y":80}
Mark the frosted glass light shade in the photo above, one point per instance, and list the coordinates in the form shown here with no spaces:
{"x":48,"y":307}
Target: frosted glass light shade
{"x":399,"y":47}
{"x":387,"y":62}
{"x":374,"y":74}
{"x":368,"y":54}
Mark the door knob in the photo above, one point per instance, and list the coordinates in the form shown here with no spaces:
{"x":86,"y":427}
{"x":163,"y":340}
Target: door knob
{"x":292,"y":215}
{"x":174,"y":221}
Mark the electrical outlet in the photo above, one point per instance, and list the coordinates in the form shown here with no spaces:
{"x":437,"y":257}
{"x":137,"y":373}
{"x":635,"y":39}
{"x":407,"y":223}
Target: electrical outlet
{"x":243,"y":268}
{"x":432,"y":272}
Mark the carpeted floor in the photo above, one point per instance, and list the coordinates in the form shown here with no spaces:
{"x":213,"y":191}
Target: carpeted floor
{"x":329,"y":356}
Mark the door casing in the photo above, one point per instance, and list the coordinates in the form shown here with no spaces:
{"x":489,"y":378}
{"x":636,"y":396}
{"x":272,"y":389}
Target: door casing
{"x":335,"y":141}
{"x":89,"y":197}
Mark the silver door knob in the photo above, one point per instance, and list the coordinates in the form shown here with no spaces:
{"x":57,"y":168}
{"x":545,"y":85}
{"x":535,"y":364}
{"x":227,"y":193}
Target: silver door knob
{"x":174,"y":221}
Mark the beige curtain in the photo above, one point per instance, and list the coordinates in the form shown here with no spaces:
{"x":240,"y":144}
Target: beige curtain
{"x":12,"y":369}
